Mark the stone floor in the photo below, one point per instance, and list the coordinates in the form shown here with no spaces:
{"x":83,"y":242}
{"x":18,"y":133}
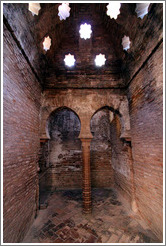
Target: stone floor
{"x":110,"y":222}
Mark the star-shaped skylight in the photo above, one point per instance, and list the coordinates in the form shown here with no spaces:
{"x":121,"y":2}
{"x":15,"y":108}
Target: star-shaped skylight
{"x":64,"y":11}
{"x":126,"y":42}
{"x":34,"y":8}
{"x":69,"y":60}
{"x":113,"y":9}
{"x":142,"y":9}
{"x":100,"y":60}
{"x":85,"y":31}
{"x":47,"y":43}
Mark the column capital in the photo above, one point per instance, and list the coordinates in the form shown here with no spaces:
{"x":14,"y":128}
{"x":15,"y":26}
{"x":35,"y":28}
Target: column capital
{"x":86,"y":135}
{"x":86,"y":139}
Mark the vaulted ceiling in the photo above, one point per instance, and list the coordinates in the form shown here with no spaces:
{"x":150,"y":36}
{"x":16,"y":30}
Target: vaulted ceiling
{"x":29,"y":32}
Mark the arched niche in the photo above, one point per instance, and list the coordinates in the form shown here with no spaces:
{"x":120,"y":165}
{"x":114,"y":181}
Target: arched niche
{"x":102,"y":172}
{"x":122,"y":111}
{"x":85,"y":106}
{"x":63,"y":114}
{"x":110,"y":111}
{"x":65,"y":156}
{"x":110,"y":160}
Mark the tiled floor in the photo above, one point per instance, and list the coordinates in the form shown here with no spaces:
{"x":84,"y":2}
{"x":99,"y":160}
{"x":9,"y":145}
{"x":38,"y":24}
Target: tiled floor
{"x":110,"y":222}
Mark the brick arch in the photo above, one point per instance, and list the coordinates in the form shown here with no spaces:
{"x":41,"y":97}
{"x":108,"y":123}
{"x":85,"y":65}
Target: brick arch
{"x":101,"y":106}
{"x":85,"y":104}
{"x":123,"y":117}
{"x":58,"y":109}
{"x":110,"y":108}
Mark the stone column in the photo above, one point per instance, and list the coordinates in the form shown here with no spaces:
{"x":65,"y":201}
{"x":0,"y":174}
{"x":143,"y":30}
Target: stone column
{"x":87,"y":205}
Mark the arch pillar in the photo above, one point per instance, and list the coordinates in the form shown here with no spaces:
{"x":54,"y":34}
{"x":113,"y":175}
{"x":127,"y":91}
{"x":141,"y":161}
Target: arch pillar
{"x":87,"y":204}
{"x":86,"y":137}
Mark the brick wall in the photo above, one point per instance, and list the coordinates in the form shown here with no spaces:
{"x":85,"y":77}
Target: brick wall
{"x":100,"y":155}
{"x":44,"y":156}
{"x":145,"y":36}
{"x":65,"y":155}
{"x":43,"y":164}
{"x":21,"y":142}
{"x":145,"y":102}
{"x":22,"y":103}
{"x":120,"y":159}
{"x":65,"y":169}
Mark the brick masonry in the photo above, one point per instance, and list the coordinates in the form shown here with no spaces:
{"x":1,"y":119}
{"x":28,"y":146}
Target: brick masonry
{"x":21,"y":142}
{"x":22,"y":24}
{"x":120,"y":160}
{"x":146,"y":111}
{"x":84,"y":103}
{"x":65,"y":155}
{"x":100,"y":155}
{"x":85,"y":51}
{"x":136,"y":75}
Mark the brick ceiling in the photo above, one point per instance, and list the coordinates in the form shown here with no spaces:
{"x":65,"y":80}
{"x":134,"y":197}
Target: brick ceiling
{"x":29,"y":32}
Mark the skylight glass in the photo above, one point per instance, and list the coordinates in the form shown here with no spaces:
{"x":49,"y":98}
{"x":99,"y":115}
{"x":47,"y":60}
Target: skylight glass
{"x":113,"y":9}
{"x":34,"y":8}
{"x":142,"y":9}
{"x":69,"y":60}
{"x":126,"y":42}
{"x":47,"y":43}
{"x":85,"y":31}
{"x":100,"y":60}
{"x":64,"y":11}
